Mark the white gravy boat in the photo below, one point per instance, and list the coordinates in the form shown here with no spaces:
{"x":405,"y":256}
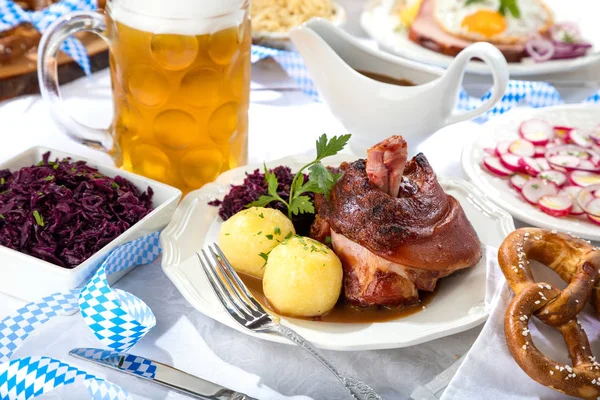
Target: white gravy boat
{"x":372,"y":110}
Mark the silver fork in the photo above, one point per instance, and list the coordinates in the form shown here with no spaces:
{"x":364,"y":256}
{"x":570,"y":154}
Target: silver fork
{"x":248,"y":312}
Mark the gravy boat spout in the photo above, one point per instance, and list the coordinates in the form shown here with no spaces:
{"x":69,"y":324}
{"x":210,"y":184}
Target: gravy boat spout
{"x":373,"y":110}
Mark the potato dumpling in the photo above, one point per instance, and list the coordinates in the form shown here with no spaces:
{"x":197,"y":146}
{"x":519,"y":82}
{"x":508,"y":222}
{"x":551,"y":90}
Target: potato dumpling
{"x":303,"y":278}
{"x":247,"y":237}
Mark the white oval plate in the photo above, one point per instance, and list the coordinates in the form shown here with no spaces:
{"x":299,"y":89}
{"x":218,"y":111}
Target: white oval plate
{"x":281,"y":40}
{"x":378,"y":22}
{"x":505,"y":127}
{"x":458,"y":305}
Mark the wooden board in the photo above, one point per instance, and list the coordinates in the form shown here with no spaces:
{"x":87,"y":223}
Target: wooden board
{"x":19,"y":75}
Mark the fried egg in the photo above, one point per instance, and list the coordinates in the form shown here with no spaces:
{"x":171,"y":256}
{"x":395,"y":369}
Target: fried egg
{"x":482,"y":20}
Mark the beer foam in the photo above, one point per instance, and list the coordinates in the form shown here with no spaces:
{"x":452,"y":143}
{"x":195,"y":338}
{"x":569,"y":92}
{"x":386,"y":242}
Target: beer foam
{"x":181,"y":17}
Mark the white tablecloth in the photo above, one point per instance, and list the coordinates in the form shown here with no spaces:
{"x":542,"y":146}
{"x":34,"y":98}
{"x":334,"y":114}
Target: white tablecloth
{"x":282,"y":122}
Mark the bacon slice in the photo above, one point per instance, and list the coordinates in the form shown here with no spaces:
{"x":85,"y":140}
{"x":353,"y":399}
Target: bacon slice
{"x":385,"y":164}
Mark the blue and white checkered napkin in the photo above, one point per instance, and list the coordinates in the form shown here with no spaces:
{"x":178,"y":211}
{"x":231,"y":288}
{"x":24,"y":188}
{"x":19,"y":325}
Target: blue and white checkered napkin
{"x":117,"y":318}
{"x":11,"y":15}
{"x":532,"y":94}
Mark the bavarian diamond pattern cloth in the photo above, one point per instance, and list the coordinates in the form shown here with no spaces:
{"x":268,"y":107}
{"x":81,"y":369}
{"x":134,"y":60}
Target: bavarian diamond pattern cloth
{"x":127,"y":362}
{"x":11,"y":15}
{"x":116,"y":317}
{"x":29,"y":377}
{"x":518,"y":93}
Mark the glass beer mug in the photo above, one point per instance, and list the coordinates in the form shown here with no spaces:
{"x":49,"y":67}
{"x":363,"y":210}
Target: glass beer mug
{"x":180,"y":73}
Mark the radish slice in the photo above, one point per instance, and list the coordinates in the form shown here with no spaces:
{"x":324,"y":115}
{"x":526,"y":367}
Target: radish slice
{"x":543,"y":164}
{"x":593,"y":207}
{"x":595,"y":135}
{"x":579,"y":138}
{"x":564,"y":161}
{"x":502,"y":147}
{"x":540,"y":151}
{"x":491,"y":152}
{"x":517,"y":181}
{"x":530,"y":166}
{"x":588,"y":165}
{"x":588,"y":201}
{"x":595,"y":220}
{"x":559,"y":178}
{"x":494,"y":165}
{"x":522,"y":148}
{"x":569,"y":150}
{"x":561,"y":131}
{"x":584,"y":178}
{"x":573,"y":192}
{"x":511,"y":162}
{"x":556,"y":205}
{"x":534,"y":189}
{"x":536,"y":131}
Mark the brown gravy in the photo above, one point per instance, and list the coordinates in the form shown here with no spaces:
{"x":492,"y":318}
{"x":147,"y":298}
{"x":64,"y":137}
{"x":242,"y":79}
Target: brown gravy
{"x":344,"y":312}
{"x":385,"y":78}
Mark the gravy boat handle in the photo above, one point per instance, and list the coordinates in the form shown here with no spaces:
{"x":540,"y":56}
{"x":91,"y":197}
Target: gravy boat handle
{"x":497,"y":63}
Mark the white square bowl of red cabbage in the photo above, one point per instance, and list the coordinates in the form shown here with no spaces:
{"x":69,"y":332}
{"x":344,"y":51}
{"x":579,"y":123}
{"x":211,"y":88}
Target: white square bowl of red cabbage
{"x":61,"y":215}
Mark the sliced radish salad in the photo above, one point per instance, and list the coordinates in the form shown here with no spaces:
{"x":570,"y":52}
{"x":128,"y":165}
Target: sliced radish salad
{"x":556,"y":168}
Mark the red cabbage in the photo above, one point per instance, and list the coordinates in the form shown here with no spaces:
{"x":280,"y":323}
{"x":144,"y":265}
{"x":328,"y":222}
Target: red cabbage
{"x":253,"y":187}
{"x":63,"y":212}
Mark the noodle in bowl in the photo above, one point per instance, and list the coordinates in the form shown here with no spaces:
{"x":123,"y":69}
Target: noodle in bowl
{"x":273,"y":19}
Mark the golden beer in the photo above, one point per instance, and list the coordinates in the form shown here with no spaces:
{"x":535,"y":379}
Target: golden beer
{"x":180,"y":101}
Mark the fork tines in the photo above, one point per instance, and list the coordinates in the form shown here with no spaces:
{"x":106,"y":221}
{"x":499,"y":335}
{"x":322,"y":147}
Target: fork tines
{"x":230,"y":289}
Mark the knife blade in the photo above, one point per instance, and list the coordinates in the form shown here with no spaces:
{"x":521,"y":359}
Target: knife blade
{"x":158,"y":373}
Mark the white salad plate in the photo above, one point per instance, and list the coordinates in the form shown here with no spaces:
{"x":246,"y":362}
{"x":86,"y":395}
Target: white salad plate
{"x":29,"y":278}
{"x":458,"y":305}
{"x":505,"y":127}
{"x":386,"y":29}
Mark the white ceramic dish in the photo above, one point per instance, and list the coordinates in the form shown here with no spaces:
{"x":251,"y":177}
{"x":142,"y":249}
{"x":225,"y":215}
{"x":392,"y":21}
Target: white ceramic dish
{"x":281,"y":40}
{"x":378,"y":21}
{"x":505,"y":127}
{"x":28,"y":278}
{"x":459,"y":304}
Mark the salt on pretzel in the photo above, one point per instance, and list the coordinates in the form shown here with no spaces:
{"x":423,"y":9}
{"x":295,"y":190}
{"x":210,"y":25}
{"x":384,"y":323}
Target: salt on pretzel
{"x":578,"y":263}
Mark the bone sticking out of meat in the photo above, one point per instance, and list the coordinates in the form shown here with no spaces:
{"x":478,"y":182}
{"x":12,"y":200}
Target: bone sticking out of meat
{"x":394,"y":228}
{"x":385,"y":164}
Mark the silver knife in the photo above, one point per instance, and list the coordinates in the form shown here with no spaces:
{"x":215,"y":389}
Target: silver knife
{"x":158,"y":373}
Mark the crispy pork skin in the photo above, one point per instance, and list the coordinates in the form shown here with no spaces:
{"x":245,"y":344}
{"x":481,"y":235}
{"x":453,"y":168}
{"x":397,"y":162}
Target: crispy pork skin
{"x":394,"y":234}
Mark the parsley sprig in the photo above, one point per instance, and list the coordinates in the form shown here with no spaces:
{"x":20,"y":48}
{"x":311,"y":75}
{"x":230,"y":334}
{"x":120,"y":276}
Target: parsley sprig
{"x":506,"y":6}
{"x":320,"y":179}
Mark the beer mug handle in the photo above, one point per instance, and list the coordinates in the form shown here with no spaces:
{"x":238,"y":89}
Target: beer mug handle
{"x":49,"y":47}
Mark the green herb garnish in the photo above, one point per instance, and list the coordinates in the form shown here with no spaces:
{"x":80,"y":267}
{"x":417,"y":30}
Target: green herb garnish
{"x":270,"y":237}
{"x":2,"y":216}
{"x":328,"y":239}
{"x":506,"y":6}
{"x":509,"y":6}
{"x":277,"y":231}
{"x":261,"y":215}
{"x":115,"y":185}
{"x":320,"y":179}
{"x":568,"y":38}
{"x":38,"y":218}
{"x":49,"y":178}
{"x":2,"y":181}
{"x":264,"y":256}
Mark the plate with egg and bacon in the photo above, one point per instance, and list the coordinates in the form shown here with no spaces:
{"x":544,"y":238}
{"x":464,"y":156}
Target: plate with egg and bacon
{"x":535,"y":36}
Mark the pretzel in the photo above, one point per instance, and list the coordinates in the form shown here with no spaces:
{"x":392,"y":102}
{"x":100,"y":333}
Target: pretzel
{"x":576,"y":262}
